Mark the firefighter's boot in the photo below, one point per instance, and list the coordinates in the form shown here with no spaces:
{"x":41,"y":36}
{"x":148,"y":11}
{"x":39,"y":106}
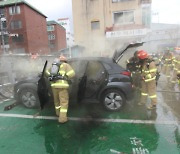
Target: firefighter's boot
{"x":63,"y":115}
{"x":151,"y":107}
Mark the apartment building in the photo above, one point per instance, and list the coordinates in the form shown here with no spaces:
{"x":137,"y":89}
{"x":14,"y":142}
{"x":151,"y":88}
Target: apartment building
{"x":65,"y":22}
{"x":24,"y":28}
{"x":56,"y":36}
{"x":102,"y":25}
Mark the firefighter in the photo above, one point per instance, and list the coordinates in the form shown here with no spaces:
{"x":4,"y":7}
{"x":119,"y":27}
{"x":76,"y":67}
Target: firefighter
{"x":148,"y":76}
{"x":178,"y":78}
{"x":59,"y":75}
{"x":134,"y":67}
{"x":157,"y":60}
{"x":176,"y":63}
{"x":167,"y":64}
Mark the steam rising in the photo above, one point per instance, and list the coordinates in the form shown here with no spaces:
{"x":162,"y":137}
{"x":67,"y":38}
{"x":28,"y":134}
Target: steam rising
{"x":16,"y":67}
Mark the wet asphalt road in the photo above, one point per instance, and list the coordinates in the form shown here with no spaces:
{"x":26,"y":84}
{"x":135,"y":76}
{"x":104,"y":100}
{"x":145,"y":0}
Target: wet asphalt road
{"x":92,"y":129}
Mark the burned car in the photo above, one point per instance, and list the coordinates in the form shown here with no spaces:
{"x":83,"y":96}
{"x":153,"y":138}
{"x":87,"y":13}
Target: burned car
{"x":97,"y":79}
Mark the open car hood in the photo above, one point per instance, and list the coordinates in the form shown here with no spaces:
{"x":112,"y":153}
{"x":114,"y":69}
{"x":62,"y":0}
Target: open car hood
{"x":119,"y":52}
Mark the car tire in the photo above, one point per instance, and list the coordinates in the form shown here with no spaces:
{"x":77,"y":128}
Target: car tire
{"x":113,"y":99}
{"x":29,"y":98}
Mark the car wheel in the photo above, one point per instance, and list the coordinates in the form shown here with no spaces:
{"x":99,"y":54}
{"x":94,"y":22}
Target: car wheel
{"x":113,"y":100}
{"x":29,"y":98}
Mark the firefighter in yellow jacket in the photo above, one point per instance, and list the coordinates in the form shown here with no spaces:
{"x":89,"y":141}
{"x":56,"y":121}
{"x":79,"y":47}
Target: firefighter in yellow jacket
{"x":148,"y":77}
{"x":167,"y":64}
{"x":59,"y":75}
{"x":176,"y":63}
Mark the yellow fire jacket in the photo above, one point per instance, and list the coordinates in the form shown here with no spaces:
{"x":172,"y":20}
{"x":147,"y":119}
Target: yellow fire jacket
{"x":176,"y":62}
{"x":168,"y":59}
{"x":149,"y":71}
{"x":64,"y":70}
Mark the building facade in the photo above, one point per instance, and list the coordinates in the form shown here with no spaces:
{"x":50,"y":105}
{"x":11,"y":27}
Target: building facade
{"x":56,"y":36}
{"x":65,"y":22}
{"x":25,"y":29}
{"x":102,"y":25}
{"x":162,"y":36}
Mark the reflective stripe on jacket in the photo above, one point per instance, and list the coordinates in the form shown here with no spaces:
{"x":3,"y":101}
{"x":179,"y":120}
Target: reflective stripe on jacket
{"x":168,"y":58}
{"x":149,"y":71}
{"x":64,"y":70}
{"x":177,"y":63}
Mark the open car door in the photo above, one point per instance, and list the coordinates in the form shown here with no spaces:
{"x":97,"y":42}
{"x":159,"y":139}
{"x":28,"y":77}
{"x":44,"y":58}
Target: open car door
{"x":42,"y":88}
{"x":119,"y":53}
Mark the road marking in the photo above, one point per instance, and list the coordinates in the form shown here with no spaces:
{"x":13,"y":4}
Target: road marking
{"x":6,"y":84}
{"x":130,"y":121}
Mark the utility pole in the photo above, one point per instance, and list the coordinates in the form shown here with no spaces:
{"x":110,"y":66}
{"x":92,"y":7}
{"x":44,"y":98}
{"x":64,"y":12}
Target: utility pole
{"x":2,"y":19}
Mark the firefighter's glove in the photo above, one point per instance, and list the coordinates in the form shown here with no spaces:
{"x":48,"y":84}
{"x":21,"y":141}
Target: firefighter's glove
{"x":148,"y":76}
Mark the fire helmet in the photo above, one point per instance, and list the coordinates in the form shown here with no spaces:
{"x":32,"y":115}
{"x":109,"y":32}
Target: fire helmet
{"x":142,"y":54}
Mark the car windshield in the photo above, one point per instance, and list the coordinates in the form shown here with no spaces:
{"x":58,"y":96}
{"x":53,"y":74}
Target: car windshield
{"x":90,"y":98}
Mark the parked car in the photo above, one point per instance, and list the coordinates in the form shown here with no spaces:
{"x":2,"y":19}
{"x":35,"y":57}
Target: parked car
{"x":97,"y":78}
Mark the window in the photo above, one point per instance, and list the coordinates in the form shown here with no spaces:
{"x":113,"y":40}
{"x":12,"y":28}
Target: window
{"x":124,"y":17}
{"x":96,"y":75}
{"x":16,"y":24}
{"x":95,"y":25}
{"x":2,"y":11}
{"x":18,"y":39}
{"x":14,"y":10}
{"x":50,"y":28}
{"x":63,"y":23}
{"x":51,"y":37}
{"x":146,"y":16}
{"x":94,"y":70}
{"x":79,"y":67}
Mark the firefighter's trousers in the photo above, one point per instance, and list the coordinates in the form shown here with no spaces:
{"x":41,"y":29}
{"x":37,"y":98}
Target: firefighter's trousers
{"x":149,"y":89}
{"x":61,"y":102}
{"x":166,"y":70}
{"x":174,"y":79}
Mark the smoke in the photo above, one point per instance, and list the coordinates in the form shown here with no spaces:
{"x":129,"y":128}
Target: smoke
{"x":97,"y":45}
{"x":14,"y":67}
